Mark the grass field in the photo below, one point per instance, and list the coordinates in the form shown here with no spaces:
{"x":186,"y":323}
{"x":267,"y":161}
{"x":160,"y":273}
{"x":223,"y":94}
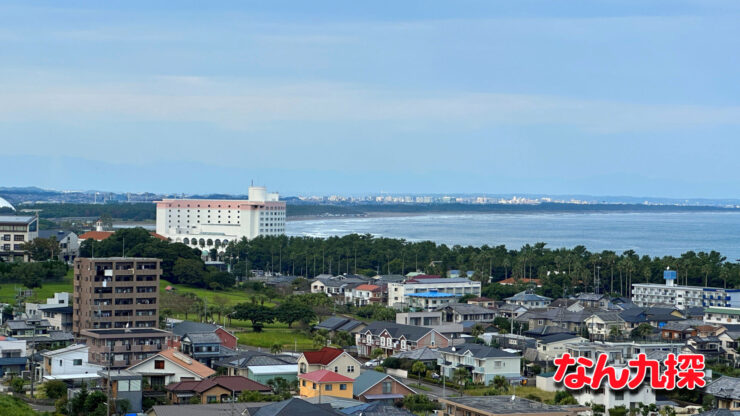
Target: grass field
{"x":288,"y":338}
{"x":47,"y":290}
{"x":232,"y":296}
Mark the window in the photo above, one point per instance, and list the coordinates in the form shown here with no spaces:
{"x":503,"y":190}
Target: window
{"x":159,"y":364}
{"x":212,"y":399}
{"x":328,"y":387}
{"x":314,"y":386}
{"x":303,"y":383}
{"x":336,"y":369}
{"x":342,"y":387}
{"x":350,"y":369}
{"x":123,"y":385}
{"x":387,"y":387}
{"x":77,"y":362}
{"x":619,"y":395}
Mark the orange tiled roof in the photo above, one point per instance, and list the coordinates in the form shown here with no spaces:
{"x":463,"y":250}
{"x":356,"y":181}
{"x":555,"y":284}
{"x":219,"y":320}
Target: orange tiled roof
{"x":511,"y":281}
{"x":195,"y":366}
{"x":325,"y":376}
{"x":371,"y":288}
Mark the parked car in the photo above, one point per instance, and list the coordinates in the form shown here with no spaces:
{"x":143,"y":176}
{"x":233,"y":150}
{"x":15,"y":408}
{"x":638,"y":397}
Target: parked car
{"x":372,"y":363}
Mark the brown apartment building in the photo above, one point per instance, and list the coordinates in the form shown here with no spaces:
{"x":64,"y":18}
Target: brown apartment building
{"x":115,"y":293}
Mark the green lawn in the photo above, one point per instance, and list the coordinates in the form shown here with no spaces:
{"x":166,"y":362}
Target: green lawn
{"x":232,"y":296}
{"x":288,"y":338}
{"x":47,"y":290}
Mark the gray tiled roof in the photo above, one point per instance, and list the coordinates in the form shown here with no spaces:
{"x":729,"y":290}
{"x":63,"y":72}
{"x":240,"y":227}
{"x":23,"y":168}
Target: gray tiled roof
{"x":203,"y":337}
{"x":410,"y":332}
{"x":505,"y":405}
{"x":338,"y":323}
{"x":217,"y":409}
{"x":527,"y":296}
{"x":255,"y":358}
{"x":557,"y":337}
{"x":479,"y":351}
{"x":419,"y":354}
{"x":377,"y":408}
{"x":725,"y":387}
{"x":292,"y":407}
{"x":185,"y":327}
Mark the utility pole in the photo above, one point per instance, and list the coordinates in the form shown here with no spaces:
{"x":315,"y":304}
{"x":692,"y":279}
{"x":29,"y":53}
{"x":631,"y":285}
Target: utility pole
{"x":33,"y":356}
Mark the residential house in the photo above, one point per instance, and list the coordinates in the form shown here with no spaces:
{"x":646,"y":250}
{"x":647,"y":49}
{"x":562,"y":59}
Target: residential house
{"x":452,"y":331}
{"x":57,"y":311}
{"x":331,"y":359}
{"x":484,"y":302}
{"x":428,"y":356}
{"x":376,"y":386}
{"x":364,"y":294}
{"x":717,"y":315}
{"x":293,"y":407}
{"x":205,"y":347}
{"x":12,"y":355}
{"x":539,"y":332}
{"x":483,"y":362}
{"x":713,"y":347}
{"x":69,"y":364}
{"x":183,"y":328}
{"x":336,"y":324}
{"x":603,"y":325}
{"x":683,"y":330}
{"x":552,"y":346}
{"x":170,"y":366}
{"x":125,"y":385}
{"x":726,"y":392}
{"x":510,"y":341}
{"x":429,"y":301}
{"x":260,"y":366}
{"x":392,"y":338}
{"x":529,"y":300}
{"x":511,"y":311}
{"x":325,"y":383}
{"x":398,"y":293}
{"x":336,"y":287}
{"x":69,"y":243}
{"x":561,"y":317}
{"x":506,"y":405}
{"x":213,"y":409}
{"x":38,"y":333}
{"x":221,"y":389}
{"x":512,"y":281}
{"x":593,"y":301}
{"x":461,"y":312}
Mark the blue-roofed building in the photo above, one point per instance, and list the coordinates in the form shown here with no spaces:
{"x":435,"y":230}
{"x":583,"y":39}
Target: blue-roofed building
{"x":529,"y":300}
{"x":431,"y":300}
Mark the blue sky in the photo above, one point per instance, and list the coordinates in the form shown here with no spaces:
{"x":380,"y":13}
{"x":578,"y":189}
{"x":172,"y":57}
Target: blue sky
{"x":577,"y":97}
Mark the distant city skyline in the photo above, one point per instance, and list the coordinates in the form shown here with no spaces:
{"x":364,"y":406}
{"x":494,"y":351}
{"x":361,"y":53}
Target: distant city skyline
{"x":637,"y":98}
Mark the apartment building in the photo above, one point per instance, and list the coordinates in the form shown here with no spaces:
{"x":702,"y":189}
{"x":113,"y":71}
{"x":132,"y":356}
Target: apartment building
{"x":15,"y":230}
{"x":682,"y":297}
{"x":116,"y":292}
{"x":121,"y":348}
{"x":398,"y":293}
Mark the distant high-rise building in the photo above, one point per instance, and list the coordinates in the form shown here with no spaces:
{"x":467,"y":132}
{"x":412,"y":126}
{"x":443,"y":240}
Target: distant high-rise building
{"x":214,"y":223}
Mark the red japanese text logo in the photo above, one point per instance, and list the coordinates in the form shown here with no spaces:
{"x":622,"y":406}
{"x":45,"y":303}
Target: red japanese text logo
{"x":684,"y":371}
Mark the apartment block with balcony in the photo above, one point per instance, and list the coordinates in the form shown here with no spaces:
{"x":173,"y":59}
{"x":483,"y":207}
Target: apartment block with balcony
{"x":116,"y":293}
{"x":121,"y":348}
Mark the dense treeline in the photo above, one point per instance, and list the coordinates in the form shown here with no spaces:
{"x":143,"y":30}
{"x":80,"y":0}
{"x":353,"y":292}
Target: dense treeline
{"x":32,"y":275}
{"x":180,"y":263}
{"x":134,"y":211}
{"x":562,"y":270}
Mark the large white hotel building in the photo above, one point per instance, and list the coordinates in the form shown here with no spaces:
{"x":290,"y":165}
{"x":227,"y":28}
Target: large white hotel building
{"x":214,"y":223}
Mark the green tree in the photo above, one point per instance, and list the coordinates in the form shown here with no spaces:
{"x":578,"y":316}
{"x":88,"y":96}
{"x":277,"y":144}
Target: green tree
{"x":419,"y":403}
{"x":642,"y":331}
{"x":290,"y":312}
{"x":500,"y":383}
{"x":258,"y":314}
{"x":618,"y":411}
{"x":419,"y":368}
{"x":276,"y":348}
{"x":189,"y":271}
{"x":460,"y":377}
{"x":55,"y":389}
{"x":376,"y":353}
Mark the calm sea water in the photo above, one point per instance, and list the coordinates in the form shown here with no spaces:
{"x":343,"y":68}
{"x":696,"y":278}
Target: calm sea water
{"x":655,"y":234}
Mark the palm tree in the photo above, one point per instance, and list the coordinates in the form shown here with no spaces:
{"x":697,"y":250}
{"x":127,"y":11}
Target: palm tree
{"x":276,"y":348}
{"x":419,"y":368}
{"x":476,"y":330}
{"x":460,"y":377}
{"x":500,"y":383}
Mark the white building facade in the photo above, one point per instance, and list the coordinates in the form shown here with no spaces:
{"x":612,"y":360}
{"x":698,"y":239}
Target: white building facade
{"x":648,"y":294}
{"x":398,"y":292}
{"x":70,"y":363}
{"x":214,"y":223}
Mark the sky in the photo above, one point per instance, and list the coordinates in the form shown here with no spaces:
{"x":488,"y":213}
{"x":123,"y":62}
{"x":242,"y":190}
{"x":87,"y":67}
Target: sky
{"x":590,"y":97}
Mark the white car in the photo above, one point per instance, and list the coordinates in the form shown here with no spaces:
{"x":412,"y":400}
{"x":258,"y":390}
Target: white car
{"x":372,"y":363}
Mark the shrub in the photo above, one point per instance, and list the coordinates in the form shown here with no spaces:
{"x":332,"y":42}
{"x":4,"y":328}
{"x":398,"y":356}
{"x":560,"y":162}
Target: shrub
{"x":55,"y":389}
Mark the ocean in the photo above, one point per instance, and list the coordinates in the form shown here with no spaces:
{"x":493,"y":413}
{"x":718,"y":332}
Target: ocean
{"x":654,"y":234}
